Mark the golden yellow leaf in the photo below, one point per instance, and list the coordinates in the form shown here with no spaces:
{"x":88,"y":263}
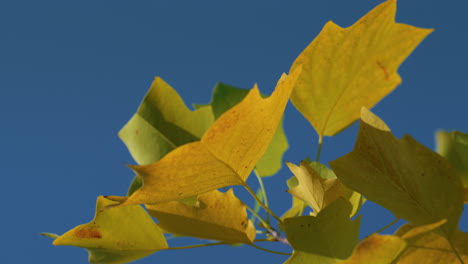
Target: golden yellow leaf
{"x":402,"y":175}
{"x":346,"y":68}
{"x":377,"y":249}
{"x":224,"y":156}
{"x":433,"y":248}
{"x":220,"y":216}
{"x":116,"y":235}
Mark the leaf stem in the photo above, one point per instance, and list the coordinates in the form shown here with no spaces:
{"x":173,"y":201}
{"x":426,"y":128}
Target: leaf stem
{"x":247,"y":187}
{"x":319,"y":149}
{"x":262,"y":188}
{"x":385,"y":227}
{"x":268,"y":250}
{"x":264,"y":223}
{"x":197,"y":246}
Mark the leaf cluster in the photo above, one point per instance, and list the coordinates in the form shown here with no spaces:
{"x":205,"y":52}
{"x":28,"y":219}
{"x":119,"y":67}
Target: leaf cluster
{"x":186,"y":159}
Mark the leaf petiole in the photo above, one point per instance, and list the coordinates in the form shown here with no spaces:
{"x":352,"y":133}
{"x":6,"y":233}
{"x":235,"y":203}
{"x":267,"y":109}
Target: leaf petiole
{"x":252,"y":193}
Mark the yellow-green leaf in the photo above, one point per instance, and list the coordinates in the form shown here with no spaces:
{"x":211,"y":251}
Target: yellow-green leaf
{"x":377,"y":249}
{"x":328,"y":237}
{"x":402,"y":175}
{"x":226,"y":154}
{"x":317,"y":185}
{"x":454,"y":147}
{"x":220,"y":216}
{"x":313,"y":189}
{"x":346,"y":68}
{"x":162,"y":123}
{"x":433,"y":248}
{"x":116,"y":235}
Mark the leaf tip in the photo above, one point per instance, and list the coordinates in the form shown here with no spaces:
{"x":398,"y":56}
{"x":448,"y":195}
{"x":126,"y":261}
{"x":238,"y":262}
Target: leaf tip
{"x":373,"y":120}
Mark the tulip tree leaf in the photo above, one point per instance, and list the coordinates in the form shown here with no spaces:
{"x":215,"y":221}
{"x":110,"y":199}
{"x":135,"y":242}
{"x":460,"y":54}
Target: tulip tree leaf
{"x":402,"y":175}
{"x":116,"y":235}
{"x":224,"y":98}
{"x":433,"y":248}
{"x":162,"y":123}
{"x":454,"y":147}
{"x":328,"y":237}
{"x":377,"y":249}
{"x":220,"y":216}
{"x":346,"y":68}
{"x":319,"y":191}
{"x":226,"y":154}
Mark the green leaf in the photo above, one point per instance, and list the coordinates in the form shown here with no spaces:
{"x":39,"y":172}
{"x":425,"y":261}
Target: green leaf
{"x":224,"y":98}
{"x":162,"y":123}
{"x":116,"y":235}
{"x":328,"y":237}
{"x":402,"y":175}
{"x":454,"y":147}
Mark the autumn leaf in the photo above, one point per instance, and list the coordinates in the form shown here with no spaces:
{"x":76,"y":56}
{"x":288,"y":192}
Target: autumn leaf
{"x":377,"y":249}
{"x":454,"y":147}
{"x":318,"y":186}
{"x":116,"y":235}
{"x":328,"y":237}
{"x":402,"y":175}
{"x":224,"y":156}
{"x":162,"y":123}
{"x":433,"y":248}
{"x":346,"y":68}
{"x":220,"y":216}
{"x":224,"y":98}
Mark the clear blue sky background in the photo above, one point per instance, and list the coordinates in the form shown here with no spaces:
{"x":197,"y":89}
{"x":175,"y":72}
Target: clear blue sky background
{"x":73,"y":72}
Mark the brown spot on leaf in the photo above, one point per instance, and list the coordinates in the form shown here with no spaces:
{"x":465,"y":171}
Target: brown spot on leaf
{"x":136,"y":131}
{"x":87,"y":233}
{"x":384,"y":69}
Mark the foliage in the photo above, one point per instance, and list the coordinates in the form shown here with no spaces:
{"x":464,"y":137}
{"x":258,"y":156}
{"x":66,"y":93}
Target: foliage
{"x":186,"y":159}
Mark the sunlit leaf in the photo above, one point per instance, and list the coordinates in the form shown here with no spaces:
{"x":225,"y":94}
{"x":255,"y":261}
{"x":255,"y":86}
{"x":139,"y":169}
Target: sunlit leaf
{"x":220,"y":216}
{"x":377,"y":249}
{"x":328,"y":237}
{"x":454,"y":147}
{"x":116,"y":235}
{"x":346,"y":68}
{"x":402,"y":175}
{"x":226,"y":154}
{"x":224,"y":98}
{"x":433,"y":248}
{"x":162,"y":123}
{"x":318,"y":186}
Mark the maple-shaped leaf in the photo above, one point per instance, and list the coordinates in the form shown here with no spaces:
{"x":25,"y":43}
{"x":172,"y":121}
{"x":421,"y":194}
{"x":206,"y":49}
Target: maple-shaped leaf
{"x":162,"y":123}
{"x":116,"y":235}
{"x":454,"y":147}
{"x":402,"y":175}
{"x":219,"y":216}
{"x":226,"y":154}
{"x":432,"y":247}
{"x":328,"y":237}
{"x":346,"y":68}
{"x":318,"y":186}
{"x":224,"y":98}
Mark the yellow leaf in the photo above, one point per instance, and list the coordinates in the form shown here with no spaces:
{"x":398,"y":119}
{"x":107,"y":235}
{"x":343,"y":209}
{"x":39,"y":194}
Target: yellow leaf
{"x":226,"y":154}
{"x":313,"y":189}
{"x":433,"y":248}
{"x":116,"y":235}
{"x":346,"y":68}
{"x":318,"y":186}
{"x":220,"y":216}
{"x":377,"y":249}
{"x":402,"y":175}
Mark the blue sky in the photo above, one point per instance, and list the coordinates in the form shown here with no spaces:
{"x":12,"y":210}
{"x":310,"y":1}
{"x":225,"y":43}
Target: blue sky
{"x":73,"y":72}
